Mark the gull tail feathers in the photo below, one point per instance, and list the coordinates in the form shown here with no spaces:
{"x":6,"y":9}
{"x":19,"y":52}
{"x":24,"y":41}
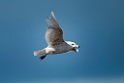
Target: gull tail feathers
{"x":52,"y":20}
{"x":36,"y":53}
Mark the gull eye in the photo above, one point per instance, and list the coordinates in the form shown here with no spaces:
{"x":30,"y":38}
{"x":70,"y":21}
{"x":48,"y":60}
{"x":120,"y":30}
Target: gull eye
{"x":72,"y":44}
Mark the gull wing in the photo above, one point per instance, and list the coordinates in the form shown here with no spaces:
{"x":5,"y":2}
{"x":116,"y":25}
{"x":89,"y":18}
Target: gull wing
{"x":54,"y":34}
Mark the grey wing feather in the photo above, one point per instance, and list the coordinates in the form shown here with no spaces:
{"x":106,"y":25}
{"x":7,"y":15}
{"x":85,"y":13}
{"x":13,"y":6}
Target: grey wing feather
{"x":54,"y":34}
{"x":52,"y":20}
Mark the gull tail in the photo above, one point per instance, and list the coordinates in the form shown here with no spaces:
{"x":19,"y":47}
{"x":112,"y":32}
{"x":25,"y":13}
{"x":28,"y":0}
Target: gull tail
{"x":51,"y":20}
{"x":36,"y":53}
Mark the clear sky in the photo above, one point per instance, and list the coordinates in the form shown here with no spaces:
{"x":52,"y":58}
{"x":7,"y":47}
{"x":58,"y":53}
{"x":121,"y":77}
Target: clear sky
{"x":96,"y":25}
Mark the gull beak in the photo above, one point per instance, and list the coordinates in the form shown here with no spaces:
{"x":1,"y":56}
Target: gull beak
{"x":75,"y":49}
{"x":78,"y":46}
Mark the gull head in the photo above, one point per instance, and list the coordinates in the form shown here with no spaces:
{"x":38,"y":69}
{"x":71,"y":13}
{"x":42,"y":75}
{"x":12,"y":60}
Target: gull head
{"x":73,"y":45}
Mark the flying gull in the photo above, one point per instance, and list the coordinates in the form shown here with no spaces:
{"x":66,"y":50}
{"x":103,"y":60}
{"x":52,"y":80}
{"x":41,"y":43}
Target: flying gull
{"x":55,"y":41}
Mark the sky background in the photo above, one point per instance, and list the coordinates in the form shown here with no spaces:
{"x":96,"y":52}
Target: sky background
{"x":96,"y":25}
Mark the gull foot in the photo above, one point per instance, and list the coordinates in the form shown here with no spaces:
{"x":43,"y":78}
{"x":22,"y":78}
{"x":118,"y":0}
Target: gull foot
{"x":42,"y":57}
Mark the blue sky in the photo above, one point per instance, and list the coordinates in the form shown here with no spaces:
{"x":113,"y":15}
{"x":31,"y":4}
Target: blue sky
{"x":96,"y":25}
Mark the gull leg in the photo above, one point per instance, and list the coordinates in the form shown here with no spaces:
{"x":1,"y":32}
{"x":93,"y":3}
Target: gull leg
{"x":42,"y":57}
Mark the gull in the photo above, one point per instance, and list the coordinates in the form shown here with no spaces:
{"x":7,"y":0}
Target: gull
{"x":55,"y":40}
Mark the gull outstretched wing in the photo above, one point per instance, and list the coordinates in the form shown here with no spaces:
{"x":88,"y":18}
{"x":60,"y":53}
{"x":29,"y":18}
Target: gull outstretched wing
{"x":54,"y":34}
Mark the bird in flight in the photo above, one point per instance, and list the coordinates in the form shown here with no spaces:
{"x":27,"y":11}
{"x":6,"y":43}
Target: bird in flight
{"x":55,"y":41}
